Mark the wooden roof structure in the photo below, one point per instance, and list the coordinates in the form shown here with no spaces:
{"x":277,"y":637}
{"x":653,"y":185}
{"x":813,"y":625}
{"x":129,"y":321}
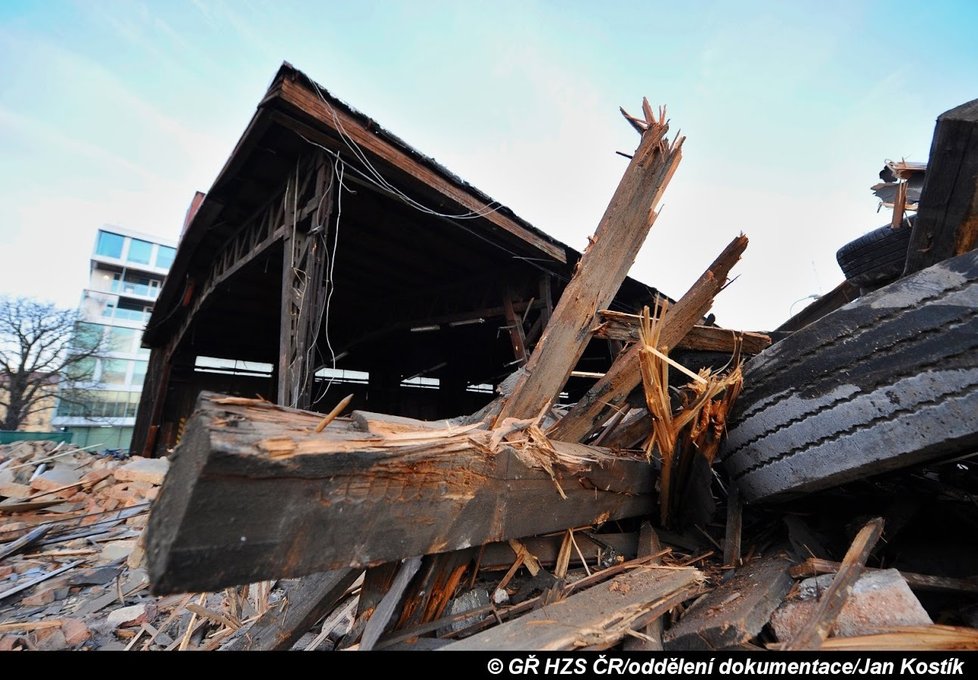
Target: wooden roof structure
{"x":328,"y":241}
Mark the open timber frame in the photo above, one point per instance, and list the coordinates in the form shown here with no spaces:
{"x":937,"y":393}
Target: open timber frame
{"x":328,"y":243}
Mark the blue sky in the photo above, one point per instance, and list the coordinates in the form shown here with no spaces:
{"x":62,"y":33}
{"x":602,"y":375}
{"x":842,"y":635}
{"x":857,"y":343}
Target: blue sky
{"x":115,"y":112}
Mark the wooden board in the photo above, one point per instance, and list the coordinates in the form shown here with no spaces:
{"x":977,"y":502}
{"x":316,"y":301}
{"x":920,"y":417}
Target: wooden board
{"x":600,"y":614}
{"x":254,"y":493}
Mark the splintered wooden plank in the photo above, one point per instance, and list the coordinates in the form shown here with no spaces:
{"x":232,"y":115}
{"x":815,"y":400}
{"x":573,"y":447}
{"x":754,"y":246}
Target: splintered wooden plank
{"x":817,"y":629}
{"x":255,"y":493}
{"x":625,"y":374}
{"x":947,"y":216}
{"x":598,"y":616}
{"x":734,"y":612}
{"x":604,"y":265}
{"x":306,"y":601}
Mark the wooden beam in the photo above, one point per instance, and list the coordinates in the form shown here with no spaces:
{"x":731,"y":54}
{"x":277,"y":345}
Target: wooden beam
{"x":625,"y":374}
{"x":254,"y":493}
{"x":301,"y":95}
{"x":735,"y":611}
{"x":604,"y":265}
{"x":514,"y":324}
{"x":598,"y":616}
{"x":624,"y":327}
{"x":832,"y":600}
{"x":842,"y":294}
{"x":814,"y":566}
{"x":947,"y":216}
{"x":305,"y":602}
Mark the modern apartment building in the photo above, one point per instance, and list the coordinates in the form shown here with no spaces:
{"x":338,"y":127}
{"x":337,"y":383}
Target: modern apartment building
{"x":126,"y":274}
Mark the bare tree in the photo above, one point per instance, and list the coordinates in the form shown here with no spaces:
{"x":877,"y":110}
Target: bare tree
{"x":41,"y":345}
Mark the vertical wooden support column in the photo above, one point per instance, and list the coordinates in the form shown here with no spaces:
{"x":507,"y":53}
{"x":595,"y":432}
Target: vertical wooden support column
{"x":149,"y":413}
{"x":514,"y":324}
{"x":304,"y":262}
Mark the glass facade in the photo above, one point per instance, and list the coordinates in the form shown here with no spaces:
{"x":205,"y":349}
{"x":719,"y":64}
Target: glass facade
{"x":101,"y":397}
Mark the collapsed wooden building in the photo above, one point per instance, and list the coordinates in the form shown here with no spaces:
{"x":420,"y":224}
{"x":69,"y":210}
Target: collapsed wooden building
{"x":328,"y":243}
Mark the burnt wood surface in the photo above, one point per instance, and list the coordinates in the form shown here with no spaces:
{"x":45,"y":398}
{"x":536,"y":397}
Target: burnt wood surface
{"x":734,"y":612}
{"x":947,"y":216}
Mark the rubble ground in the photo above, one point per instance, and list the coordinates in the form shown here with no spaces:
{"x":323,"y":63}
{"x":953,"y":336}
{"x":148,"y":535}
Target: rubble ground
{"x":72,"y":572}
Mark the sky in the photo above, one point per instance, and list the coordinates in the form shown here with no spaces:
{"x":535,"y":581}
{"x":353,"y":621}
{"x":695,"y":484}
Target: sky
{"x":116,"y":112}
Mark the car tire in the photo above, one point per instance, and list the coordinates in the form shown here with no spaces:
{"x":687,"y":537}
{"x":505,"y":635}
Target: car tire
{"x":875,"y":258}
{"x":889,"y":380}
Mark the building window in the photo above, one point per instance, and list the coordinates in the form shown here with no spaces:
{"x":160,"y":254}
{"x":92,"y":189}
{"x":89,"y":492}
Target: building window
{"x":114,"y":371}
{"x":123,"y":340}
{"x":140,"y":251}
{"x":87,"y":336}
{"x":82,"y":370}
{"x":164,"y":256}
{"x":138,"y":373}
{"x":109,"y":244}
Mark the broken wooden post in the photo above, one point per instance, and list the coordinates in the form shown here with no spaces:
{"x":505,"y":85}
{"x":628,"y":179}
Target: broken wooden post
{"x":830,"y":604}
{"x":625,"y":374}
{"x":602,"y":268}
{"x":735,"y":518}
{"x":947,"y":216}
{"x":385,"y":610}
{"x":255,"y":493}
{"x":650,"y":639}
